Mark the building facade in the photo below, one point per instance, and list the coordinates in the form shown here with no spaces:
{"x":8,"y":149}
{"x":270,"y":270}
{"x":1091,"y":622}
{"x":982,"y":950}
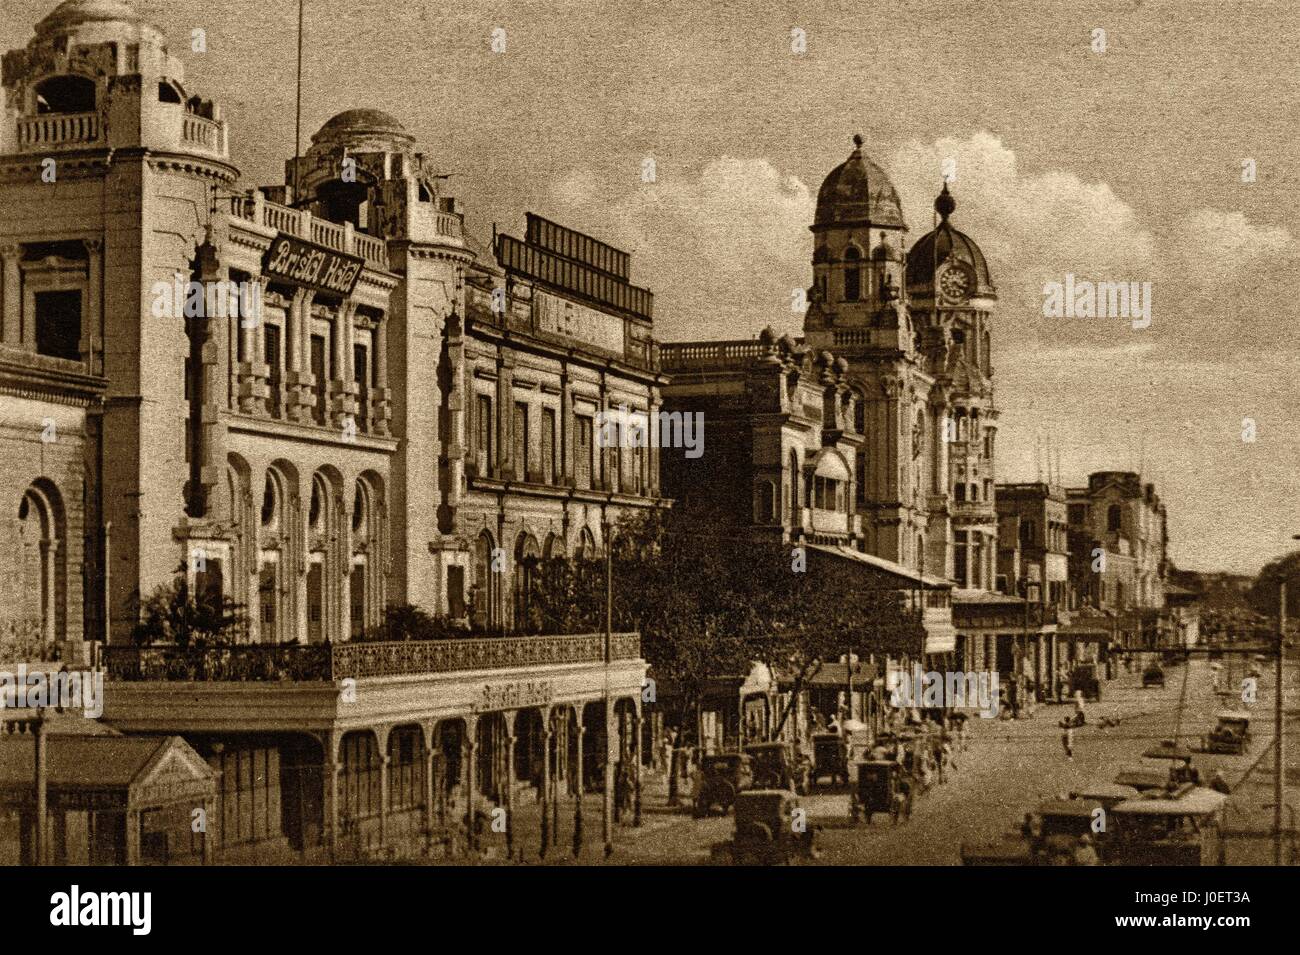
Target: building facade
{"x":316,"y":400}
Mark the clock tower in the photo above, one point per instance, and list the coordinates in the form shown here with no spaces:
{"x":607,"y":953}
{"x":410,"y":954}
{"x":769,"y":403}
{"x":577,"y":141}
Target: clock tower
{"x":951,"y":297}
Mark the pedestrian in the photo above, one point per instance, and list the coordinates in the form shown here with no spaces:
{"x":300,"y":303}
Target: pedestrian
{"x":1067,"y":737}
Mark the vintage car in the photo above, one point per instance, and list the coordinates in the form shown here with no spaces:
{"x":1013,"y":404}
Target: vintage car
{"x":1057,"y":824}
{"x":1011,"y":849}
{"x":1153,"y":676}
{"x":721,"y":777}
{"x":1108,"y":794}
{"x":1181,"y":830}
{"x":1231,"y":733}
{"x":830,"y":758}
{"x":771,"y":829}
{"x":779,"y":765}
{"x":1051,"y":836}
{"x":878,"y":789}
{"x":1083,"y":679}
{"x":1143,"y":779}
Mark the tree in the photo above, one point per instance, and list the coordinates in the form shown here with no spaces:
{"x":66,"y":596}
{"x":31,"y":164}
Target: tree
{"x":709,"y":599}
{"x":174,"y":615}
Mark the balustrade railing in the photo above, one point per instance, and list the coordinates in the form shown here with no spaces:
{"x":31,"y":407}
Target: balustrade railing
{"x":329,"y":662}
{"x":53,"y":130}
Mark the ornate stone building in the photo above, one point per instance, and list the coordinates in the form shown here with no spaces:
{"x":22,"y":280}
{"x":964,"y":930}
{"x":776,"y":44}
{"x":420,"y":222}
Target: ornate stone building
{"x":318,"y":399}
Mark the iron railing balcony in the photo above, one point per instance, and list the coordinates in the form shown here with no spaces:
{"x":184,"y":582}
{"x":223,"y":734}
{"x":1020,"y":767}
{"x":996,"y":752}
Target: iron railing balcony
{"x":314,"y":663}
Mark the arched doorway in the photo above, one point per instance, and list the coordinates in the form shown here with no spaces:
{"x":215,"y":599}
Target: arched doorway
{"x":42,"y":566}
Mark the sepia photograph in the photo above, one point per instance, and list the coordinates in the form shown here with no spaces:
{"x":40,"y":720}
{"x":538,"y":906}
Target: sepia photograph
{"x":586,"y":433}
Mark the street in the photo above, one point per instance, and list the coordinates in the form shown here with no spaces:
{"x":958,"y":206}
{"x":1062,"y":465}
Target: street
{"x":1006,"y":770}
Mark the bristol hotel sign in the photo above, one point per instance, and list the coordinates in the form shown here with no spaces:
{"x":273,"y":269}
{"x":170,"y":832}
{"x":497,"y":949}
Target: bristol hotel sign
{"x":299,"y":262}
{"x":514,"y":695}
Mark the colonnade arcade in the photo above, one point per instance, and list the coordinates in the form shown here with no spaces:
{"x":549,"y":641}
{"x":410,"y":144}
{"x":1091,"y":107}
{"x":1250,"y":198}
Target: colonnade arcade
{"x":495,"y":775}
{"x":303,"y":552}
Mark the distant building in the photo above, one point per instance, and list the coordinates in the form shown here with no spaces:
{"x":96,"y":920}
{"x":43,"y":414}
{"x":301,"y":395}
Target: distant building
{"x":1118,"y":553}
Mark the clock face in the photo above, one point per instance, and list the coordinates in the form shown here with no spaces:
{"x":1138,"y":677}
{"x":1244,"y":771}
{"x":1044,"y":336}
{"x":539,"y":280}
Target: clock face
{"x":954,"y":283}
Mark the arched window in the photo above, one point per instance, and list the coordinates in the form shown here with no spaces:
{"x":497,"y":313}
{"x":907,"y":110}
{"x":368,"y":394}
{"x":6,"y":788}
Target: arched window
{"x":367,"y":547}
{"x":586,"y":545}
{"x":960,"y":492}
{"x":483,"y":588}
{"x":852,"y":274}
{"x":528,"y":558}
{"x":43,"y":563}
{"x":1114,"y":517}
{"x":65,"y":94}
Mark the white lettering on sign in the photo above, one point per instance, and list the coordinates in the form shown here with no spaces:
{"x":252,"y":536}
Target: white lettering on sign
{"x":306,"y":264}
{"x":559,"y":316}
{"x":512,"y":696}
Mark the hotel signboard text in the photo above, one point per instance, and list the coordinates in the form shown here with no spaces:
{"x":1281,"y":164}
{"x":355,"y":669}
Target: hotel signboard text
{"x":299,"y":262}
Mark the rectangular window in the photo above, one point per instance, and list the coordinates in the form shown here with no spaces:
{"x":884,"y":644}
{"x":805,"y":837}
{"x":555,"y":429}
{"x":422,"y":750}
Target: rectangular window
{"x":484,"y":436}
{"x":318,"y":372}
{"x":272,"y":351}
{"x":58,"y":324}
{"x":615,"y":457}
{"x":582,"y":451}
{"x":361,"y":375}
{"x":520,"y":437}
{"x":548,"y":445}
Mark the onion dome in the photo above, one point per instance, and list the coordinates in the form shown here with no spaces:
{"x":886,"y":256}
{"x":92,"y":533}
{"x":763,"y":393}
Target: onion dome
{"x":858,"y":192}
{"x":945,"y":243}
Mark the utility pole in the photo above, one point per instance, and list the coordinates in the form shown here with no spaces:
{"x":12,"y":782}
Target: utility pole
{"x":1278,"y":762}
{"x":608,"y":802}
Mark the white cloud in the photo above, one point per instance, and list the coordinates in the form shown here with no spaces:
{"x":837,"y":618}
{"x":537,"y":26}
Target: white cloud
{"x":721,"y":250}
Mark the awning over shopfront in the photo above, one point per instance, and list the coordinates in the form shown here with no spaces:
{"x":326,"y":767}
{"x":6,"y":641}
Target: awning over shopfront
{"x":940,"y":635}
{"x":835,"y":676}
{"x":905,"y":576}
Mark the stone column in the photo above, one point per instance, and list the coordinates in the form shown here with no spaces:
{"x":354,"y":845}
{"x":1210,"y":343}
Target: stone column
{"x":636,"y":765}
{"x":253,"y":390}
{"x":13,"y":295}
{"x":380,"y":413}
{"x":332,"y":770}
{"x":430,"y":787}
{"x":92,"y":332}
{"x":509,"y":785}
{"x":471,"y":744}
{"x":385,"y":761}
{"x":578,"y":780}
{"x":545,"y":793}
{"x":298,"y":379}
{"x":343,"y":389}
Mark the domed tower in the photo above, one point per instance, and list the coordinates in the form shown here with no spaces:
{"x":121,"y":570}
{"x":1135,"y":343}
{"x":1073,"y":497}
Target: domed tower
{"x":108,"y":170}
{"x":858,"y":236}
{"x":952,"y":298}
{"x":362,"y":169}
{"x":858,"y":311}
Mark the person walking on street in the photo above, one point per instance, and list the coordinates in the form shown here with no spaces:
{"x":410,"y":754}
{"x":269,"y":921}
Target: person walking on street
{"x":1067,"y":737}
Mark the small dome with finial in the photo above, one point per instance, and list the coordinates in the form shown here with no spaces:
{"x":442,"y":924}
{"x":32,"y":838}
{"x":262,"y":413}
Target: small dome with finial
{"x":942,"y":243}
{"x":945,"y":204}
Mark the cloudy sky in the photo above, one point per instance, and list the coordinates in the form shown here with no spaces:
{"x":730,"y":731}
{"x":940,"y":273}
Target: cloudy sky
{"x":1122,"y":165}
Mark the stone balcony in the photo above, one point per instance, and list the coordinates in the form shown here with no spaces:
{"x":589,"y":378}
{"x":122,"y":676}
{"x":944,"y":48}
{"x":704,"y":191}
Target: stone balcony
{"x":341,"y":237}
{"x":169,"y":128}
{"x":322,"y":688}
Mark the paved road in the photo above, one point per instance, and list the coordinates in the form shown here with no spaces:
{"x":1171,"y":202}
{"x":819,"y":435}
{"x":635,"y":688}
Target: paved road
{"x":1008,"y":768}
